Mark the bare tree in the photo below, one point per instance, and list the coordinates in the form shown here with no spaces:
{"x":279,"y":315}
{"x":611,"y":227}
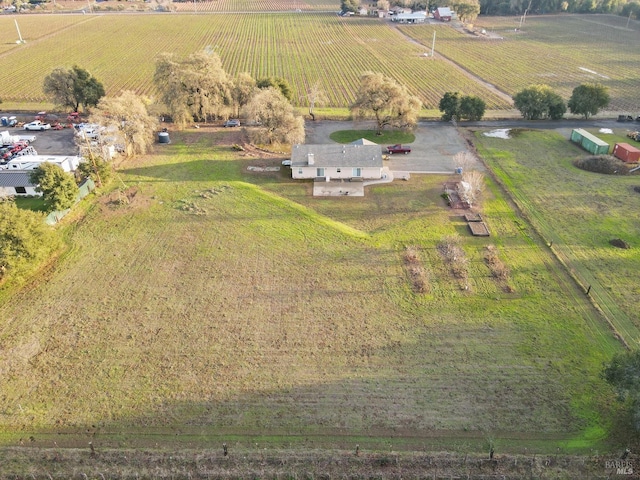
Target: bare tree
{"x":278,"y":121}
{"x":386,"y":101}
{"x":473,"y":186}
{"x":464,"y":160}
{"x":128,"y":115}
{"x":316,"y":96}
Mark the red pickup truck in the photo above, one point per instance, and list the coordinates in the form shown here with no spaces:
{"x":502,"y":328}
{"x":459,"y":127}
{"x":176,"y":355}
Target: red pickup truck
{"x":398,"y":149}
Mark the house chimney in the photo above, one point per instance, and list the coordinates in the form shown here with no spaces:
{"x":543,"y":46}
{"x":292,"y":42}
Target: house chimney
{"x":310,"y":158}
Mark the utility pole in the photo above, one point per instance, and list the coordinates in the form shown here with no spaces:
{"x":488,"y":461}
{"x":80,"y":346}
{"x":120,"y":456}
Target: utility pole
{"x":433,"y":44}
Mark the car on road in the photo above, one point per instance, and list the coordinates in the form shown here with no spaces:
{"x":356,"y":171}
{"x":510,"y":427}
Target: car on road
{"x":397,"y":148}
{"x":37,"y":125}
{"x":232,"y":123}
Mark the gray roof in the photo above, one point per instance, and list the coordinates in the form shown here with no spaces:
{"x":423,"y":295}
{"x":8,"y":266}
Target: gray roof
{"x":362,"y":141}
{"x":15,"y":179}
{"x":334,"y":155}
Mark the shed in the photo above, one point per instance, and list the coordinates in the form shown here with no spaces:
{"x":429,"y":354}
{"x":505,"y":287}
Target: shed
{"x":626,"y":152}
{"x":16,"y":183}
{"x":416,"y":17}
{"x":443,"y":14}
{"x":589,"y":142}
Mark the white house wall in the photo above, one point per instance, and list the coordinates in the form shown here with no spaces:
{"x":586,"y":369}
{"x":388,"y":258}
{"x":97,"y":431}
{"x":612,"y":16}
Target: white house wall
{"x":11,"y":192}
{"x":335,"y":173}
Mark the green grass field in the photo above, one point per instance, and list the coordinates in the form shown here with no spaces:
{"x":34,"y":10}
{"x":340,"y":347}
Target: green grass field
{"x":220,"y":302}
{"x":594,"y":209}
{"x":308,"y":47}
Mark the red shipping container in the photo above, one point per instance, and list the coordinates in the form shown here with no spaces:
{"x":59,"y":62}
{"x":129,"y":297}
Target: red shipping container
{"x":626,"y":152}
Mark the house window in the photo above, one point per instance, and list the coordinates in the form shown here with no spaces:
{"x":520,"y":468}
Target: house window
{"x":299,"y":171}
{"x":338,"y":170}
{"x":319,"y":172}
{"x":21,"y":190}
{"x":357,"y":172}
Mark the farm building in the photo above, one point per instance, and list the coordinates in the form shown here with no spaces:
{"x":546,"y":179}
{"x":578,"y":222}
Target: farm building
{"x":416,"y":17}
{"x":626,"y":152}
{"x":589,"y":142}
{"x":31,"y":162}
{"x":444,"y":14}
{"x":339,"y":162}
{"x":16,"y":183}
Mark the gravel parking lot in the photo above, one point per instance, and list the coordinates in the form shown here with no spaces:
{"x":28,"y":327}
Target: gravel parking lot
{"x":52,"y":142}
{"x":432,"y":151}
{"x":48,"y":142}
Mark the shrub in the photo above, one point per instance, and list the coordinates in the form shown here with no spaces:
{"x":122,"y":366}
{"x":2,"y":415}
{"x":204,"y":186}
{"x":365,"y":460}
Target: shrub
{"x":603,"y":164}
{"x":417,"y":273}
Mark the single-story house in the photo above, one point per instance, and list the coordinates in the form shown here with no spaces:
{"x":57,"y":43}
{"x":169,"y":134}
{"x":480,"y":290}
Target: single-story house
{"x":336,"y":162}
{"x":398,"y":10}
{"x":16,"y":183}
{"x":415,"y":17}
{"x":31,"y":162}
{"x":443,"y":14}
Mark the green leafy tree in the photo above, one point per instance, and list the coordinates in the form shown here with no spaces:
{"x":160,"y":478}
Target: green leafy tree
{"x":350,"y":5}
{"x":25,"y":238}
{"x":194,"y":89}
{"x":472,"y":107}
{"x":278,"y":121}
{"x":623,"y":373}
{"x":467,"y":10}
{"x":588,"y":99}
{"x":72,"y":88}
{"x":95,"y":168}
{"x":450,"y":106}
{"x":127,"y":114}
{"x":539,"y":101}
{"x":386,"y":101}
{"x":58,"y":187}
{"x":244,"y":87}
{"x":276,"y":82}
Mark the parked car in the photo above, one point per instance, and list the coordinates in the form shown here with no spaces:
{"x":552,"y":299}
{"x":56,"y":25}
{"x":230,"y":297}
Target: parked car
{"x":286,"y":163}
{"x":397,"y":148}
{"x":37,"y":125}
{"x":232,"y":123}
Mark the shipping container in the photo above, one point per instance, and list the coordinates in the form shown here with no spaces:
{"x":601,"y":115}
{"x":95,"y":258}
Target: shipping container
{"x":626,"y":152}
{"x":589,"y":142}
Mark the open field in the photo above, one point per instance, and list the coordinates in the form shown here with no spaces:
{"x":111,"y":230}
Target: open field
{"x":308,"y":47}
{"x":579,"y":213}
{"x":303,"y":48}
{"x":560,"y":51}
{"x":215,"y":302}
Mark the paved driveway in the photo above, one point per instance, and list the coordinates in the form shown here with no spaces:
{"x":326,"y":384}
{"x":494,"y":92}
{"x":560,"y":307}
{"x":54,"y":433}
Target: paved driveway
{"x":432,"y":152}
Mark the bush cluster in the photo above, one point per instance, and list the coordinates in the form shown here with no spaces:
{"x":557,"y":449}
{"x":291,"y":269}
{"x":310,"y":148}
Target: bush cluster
{"x":417,"y":273}
{"x":603,"y":164}
{"x":455,"y":256}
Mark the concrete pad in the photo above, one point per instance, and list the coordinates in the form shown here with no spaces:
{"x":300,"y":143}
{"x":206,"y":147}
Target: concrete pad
{"x":338,"y":189}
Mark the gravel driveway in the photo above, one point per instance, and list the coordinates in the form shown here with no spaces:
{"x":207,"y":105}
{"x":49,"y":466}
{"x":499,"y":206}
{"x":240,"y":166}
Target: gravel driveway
{"x":432,"y":151}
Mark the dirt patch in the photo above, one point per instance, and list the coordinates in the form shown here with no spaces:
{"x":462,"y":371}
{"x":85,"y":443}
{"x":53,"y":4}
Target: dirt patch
{"x":124,"y":199}
{"x":619,"y":243}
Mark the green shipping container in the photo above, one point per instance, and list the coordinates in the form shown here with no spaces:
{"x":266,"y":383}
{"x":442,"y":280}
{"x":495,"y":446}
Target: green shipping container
{"x":589,"y":142}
